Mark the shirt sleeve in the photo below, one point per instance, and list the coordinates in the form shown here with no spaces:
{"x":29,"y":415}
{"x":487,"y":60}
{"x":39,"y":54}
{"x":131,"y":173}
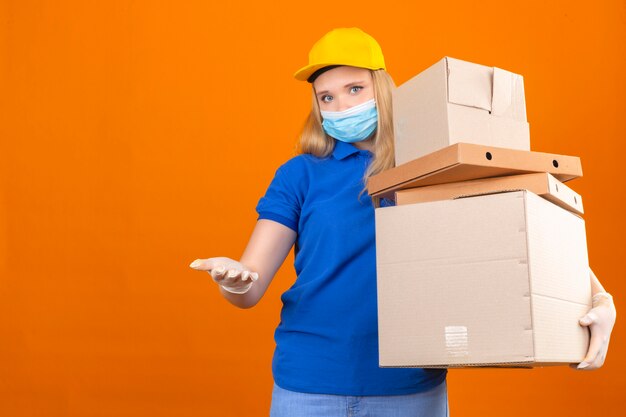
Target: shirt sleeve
{"x":282,"y":200}
{"x":387,"y":202}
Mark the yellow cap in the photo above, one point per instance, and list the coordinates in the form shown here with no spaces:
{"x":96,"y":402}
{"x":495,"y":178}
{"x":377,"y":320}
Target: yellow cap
{"x":343,"y":46}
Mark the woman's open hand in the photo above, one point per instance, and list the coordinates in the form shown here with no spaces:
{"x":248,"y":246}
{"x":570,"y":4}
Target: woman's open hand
{"x":231,"y":275}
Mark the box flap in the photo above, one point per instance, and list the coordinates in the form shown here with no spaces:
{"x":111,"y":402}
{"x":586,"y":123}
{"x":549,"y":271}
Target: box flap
{"x":469,"y":84}
{"x":502,"y":98}
{"x":508,"y":95}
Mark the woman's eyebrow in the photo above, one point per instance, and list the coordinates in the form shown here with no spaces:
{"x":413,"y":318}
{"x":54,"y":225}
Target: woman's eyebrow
{"x":345,"y":86}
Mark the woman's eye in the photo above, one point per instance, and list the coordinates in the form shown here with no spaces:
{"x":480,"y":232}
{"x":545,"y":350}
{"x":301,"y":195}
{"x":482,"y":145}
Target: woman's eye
{"x":327,"y":99}
{"x":355,"y":89}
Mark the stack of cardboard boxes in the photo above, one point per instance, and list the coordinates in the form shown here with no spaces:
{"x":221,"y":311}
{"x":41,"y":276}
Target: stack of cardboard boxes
{"x":483,"y":259}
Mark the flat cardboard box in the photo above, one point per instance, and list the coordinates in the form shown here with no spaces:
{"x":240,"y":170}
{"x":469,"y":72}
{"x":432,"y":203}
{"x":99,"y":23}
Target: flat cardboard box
{"x":466,"y":161}
{"x":541,"y":183}
{"x":458,"y":101}
{"x":492,"y":280}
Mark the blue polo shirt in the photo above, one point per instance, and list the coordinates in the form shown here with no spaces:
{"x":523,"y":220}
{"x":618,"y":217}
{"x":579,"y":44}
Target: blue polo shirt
{"x":327,"y":339}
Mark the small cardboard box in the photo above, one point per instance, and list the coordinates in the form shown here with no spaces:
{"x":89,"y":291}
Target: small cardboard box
{"x":492,"y":280}
{"x":541,"y":183}
{"x":465,"y":161}
{"x":458,"y":101}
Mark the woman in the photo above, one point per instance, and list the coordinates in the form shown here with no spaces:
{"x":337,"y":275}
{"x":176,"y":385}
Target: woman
{"x":326,"y":357}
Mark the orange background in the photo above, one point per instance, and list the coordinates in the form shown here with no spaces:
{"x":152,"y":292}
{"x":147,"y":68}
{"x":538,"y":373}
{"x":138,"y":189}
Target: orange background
{"x":136,"y":136}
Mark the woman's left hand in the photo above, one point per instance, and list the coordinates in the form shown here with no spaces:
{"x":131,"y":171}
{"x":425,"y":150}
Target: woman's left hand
{"x":600,"y":320}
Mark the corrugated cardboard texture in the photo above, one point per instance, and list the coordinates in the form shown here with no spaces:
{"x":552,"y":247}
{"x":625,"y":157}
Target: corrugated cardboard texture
{"x":466,"y":161}
{"x":411,"y":109}
{"x":559,"y":280}
{"x":542,"y":184}
{"x":455,"y":286}
{"x":556,"y":337}
{"x":458,"y":101}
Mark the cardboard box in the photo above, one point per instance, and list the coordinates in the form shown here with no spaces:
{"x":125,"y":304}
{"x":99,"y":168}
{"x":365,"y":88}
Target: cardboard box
{"x":542,"y":184}
{"x":458,"y":101}
{"x":465,"y":161}
{"x":498,"y":280}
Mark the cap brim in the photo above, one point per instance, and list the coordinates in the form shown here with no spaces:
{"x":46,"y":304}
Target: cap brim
{"x":304,"y":73}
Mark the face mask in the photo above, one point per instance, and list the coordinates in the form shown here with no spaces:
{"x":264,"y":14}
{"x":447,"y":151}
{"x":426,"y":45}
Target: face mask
{"x":353,"y":124}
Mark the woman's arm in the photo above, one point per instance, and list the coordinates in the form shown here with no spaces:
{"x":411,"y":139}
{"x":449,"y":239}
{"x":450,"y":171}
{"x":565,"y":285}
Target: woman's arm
{"x":266,"y":251}
{"x":596,"y":287}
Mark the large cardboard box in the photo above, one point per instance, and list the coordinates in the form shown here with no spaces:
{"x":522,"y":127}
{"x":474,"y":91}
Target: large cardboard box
{"x":465,"y":161}
{"x":458,"y":101}
{"x":497,"y":280}
{"x":541,"y":183}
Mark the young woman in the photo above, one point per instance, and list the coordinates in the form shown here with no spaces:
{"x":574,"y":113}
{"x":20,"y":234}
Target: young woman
{"x":326,"y":357}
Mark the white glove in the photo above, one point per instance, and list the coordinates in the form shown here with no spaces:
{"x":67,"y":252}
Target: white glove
{"x":600,"y":320}
{"x":231,"y":275}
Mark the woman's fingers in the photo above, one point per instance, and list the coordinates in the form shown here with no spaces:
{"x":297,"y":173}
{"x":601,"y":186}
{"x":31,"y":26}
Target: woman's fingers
{"x":202,"y":264}
{"x":595,"y":345}
{"x":228,"y":273}
{"x":598,"y":344}
{"x":233,"y":273}
{"x":249,"y":275}
{"x":237,"y":275}
{"x":213,"y":263}
{"x":218,"y":273}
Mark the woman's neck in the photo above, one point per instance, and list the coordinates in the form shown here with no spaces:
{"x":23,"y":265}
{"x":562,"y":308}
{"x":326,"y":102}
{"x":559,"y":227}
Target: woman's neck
{"x":367,"y":145}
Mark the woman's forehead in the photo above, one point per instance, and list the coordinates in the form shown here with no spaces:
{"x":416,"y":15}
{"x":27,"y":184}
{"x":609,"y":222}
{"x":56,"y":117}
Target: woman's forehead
{"x":340,"y":77}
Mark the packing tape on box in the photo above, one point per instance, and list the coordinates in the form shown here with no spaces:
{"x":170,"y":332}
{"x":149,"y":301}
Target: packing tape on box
{"x":456,"y":341}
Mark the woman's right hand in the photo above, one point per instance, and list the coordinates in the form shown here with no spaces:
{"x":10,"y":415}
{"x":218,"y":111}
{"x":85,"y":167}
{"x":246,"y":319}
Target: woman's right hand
{"x":231,"y":275}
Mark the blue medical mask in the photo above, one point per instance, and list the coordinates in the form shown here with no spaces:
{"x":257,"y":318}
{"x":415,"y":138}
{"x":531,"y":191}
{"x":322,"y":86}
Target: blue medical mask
{"x":351,"y":125}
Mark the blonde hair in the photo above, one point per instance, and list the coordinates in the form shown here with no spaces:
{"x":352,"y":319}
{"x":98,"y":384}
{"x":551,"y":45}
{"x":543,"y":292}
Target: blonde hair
{"x":314,"y":141}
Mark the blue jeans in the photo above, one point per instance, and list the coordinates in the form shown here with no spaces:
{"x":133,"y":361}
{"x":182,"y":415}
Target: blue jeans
{"x":432,"y":403}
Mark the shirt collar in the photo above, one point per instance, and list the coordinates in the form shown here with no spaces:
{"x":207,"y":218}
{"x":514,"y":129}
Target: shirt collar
{"x":344,"y":149}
